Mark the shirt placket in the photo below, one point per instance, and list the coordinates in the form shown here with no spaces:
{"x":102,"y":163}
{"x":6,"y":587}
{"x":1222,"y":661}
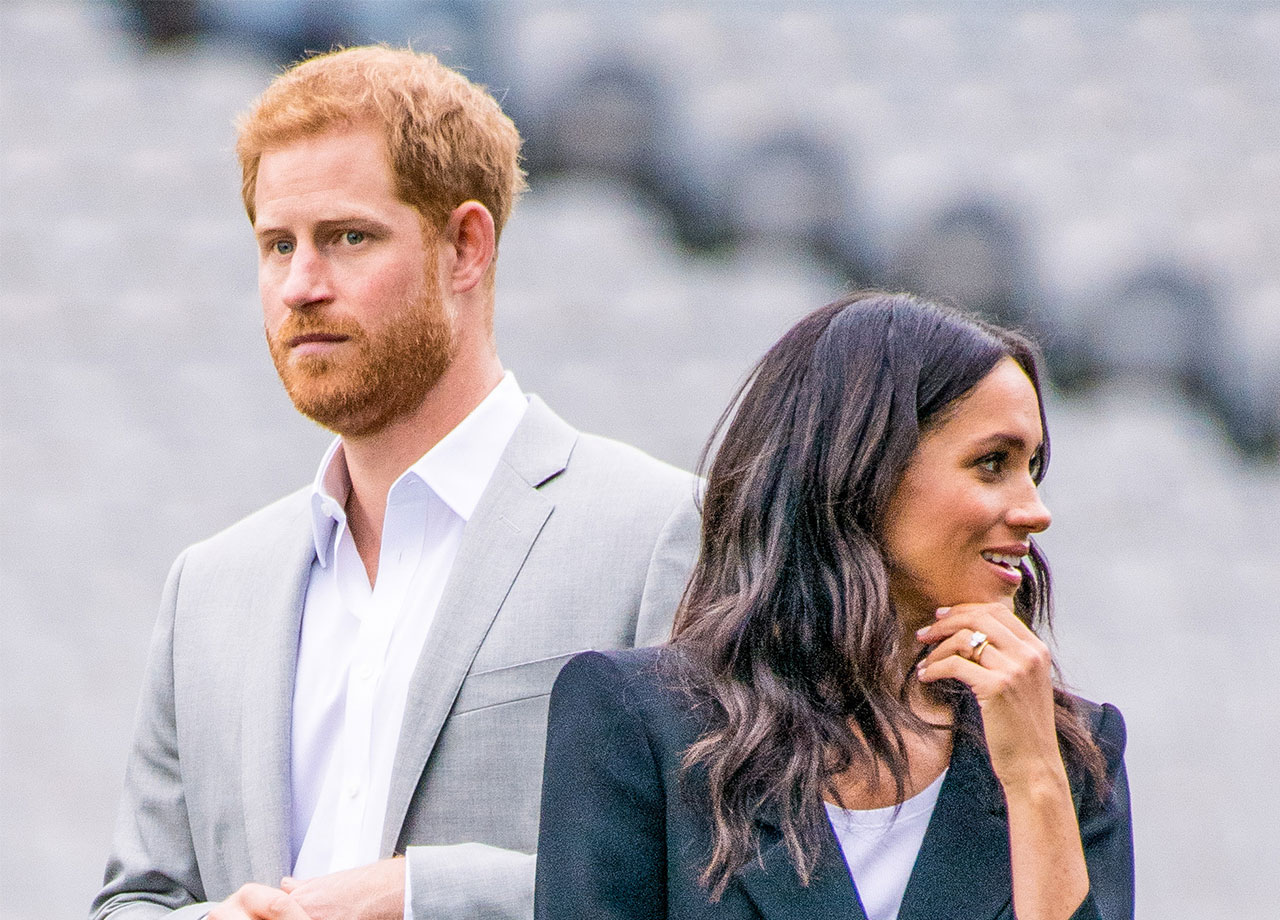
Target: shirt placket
{"x":359,"y":821}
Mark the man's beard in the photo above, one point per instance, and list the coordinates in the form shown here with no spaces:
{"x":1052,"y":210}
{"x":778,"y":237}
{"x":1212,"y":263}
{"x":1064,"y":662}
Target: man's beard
{"x":372,"y":379}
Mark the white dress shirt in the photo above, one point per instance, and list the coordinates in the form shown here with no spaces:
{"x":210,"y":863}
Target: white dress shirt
{"x":359,"y":646}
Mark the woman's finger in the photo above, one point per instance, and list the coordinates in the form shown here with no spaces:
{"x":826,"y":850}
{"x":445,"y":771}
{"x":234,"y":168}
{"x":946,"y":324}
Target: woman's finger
{"x":980,"y":676}
{"x":1009,"y":620}
{"x":968,"y":618}
{"x":967,"y":643}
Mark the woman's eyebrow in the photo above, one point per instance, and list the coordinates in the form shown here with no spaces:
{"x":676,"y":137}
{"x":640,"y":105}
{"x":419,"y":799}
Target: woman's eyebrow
{"x":1008,"y":441}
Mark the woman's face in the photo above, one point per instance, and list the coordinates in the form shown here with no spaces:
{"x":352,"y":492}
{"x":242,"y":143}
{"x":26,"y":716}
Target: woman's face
{"x":959,"y":523}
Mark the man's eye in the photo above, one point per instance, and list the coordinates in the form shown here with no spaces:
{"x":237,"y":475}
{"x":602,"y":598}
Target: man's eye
{"x":282,"y":247}
{"x":353,"y":237}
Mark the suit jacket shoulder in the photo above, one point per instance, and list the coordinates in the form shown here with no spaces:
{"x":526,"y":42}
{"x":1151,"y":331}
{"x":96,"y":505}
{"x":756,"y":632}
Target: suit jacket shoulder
{"x":551,"y":455}
{"x":642,"y":683}
{"x":261,"y":542}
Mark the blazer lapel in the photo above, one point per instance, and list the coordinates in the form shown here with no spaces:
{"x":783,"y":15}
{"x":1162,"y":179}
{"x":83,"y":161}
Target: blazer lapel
{"x":275,"y":604}
{"x":495,"y":544}
{"x":963,"y":866}
{"x":962,"y":870}
{"x":773,"y":885}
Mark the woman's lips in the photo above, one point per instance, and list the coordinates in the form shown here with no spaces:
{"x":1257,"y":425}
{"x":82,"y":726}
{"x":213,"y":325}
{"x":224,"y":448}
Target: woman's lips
{"x":1008,"y":566}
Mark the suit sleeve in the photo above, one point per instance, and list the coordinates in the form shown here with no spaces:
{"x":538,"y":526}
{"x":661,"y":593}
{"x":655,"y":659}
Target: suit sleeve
{"x":469,"y":880}
{"x":1107,"y":832}
{"x":669,"y":566}
{"x":601,"y":845}
{"x":152,"y":870}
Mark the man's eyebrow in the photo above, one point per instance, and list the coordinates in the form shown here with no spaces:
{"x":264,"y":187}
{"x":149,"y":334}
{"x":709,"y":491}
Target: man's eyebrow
{"x":353,"y":220}
{"x":326,"y":225}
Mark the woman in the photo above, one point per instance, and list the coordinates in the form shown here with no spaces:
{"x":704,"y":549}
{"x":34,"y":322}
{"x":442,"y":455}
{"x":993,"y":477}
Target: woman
{"x":854,"y":716}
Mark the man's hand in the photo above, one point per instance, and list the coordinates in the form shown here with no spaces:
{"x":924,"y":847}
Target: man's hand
{"x":258,"y":902}
{"x":372,"y":892}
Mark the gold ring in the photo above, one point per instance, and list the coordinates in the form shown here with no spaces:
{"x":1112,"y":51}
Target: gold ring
{"x":978,"y":643}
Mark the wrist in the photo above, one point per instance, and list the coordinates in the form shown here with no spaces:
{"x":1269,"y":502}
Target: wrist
{"x":1036,"y":784}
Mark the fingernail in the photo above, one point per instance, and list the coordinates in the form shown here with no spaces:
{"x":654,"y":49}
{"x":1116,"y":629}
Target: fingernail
{"x":943,"y":611}
{"x":920,"y":633}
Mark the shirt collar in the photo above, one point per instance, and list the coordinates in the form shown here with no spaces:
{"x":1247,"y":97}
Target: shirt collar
{"x":456,"y":469}
{"x":329,"y":493}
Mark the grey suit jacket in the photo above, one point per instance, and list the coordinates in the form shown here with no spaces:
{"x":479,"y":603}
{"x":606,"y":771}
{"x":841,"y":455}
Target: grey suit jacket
{"x":577,"y":542}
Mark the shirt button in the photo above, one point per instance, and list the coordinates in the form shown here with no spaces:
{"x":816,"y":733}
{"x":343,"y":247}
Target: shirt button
{"x":364,"y":671}
{"x":353,"y":790}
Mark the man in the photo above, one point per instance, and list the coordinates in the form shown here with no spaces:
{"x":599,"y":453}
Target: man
{"x":359,"y":672}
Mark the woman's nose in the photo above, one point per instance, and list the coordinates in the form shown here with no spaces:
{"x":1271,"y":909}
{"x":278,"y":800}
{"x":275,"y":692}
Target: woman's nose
{"x":1030,"y":513}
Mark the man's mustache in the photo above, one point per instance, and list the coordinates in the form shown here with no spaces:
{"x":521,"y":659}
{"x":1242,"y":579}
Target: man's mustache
{"x":310,"y":324}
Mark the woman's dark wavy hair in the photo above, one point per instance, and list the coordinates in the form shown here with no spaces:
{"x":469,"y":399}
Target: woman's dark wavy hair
{"x":787,"y":627}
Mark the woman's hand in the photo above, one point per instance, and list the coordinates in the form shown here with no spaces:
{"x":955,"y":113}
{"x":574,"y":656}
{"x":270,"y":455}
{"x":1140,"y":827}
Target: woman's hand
{"x":1011,"y":674}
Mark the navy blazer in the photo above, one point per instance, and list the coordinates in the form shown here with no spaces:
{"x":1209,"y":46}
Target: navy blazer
{"x":620,"y":837}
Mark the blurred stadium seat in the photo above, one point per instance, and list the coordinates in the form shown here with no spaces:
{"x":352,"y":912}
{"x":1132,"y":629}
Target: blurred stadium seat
{"x":916,"y":147}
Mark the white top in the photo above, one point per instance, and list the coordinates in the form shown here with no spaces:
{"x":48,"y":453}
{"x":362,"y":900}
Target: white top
{"x":880,"y":849}
{"x":359,"y":646}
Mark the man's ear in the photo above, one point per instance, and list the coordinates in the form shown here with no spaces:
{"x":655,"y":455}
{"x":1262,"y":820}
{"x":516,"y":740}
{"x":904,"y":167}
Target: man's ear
{"x":470,"y":232}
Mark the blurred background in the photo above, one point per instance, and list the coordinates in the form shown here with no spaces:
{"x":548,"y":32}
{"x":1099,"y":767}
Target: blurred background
{"x":1105,"y":175}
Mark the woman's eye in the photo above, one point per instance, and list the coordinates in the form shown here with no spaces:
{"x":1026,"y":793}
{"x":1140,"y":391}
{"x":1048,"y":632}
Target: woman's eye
{"x":353,"y":237}
{"x":992,"y":463}
{"x":282,"y":247}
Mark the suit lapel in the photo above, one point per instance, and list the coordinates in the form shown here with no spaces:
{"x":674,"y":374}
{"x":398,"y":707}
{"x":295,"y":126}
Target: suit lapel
{"x":495,"y":544}
{"x":962,"y":870}
{"x":963,"y":866}
{"x":275,"y":605}
{"x":773,"y":885}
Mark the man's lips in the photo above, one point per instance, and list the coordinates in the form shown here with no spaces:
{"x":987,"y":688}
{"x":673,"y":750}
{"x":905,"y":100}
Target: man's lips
{"x":316,"y":338}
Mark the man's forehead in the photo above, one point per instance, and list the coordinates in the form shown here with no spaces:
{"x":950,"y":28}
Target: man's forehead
{"x":354,"y":141}
{"x":339,"y":171}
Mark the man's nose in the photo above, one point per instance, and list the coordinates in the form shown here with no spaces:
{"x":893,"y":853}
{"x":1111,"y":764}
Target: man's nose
{"x":307,"y":281}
